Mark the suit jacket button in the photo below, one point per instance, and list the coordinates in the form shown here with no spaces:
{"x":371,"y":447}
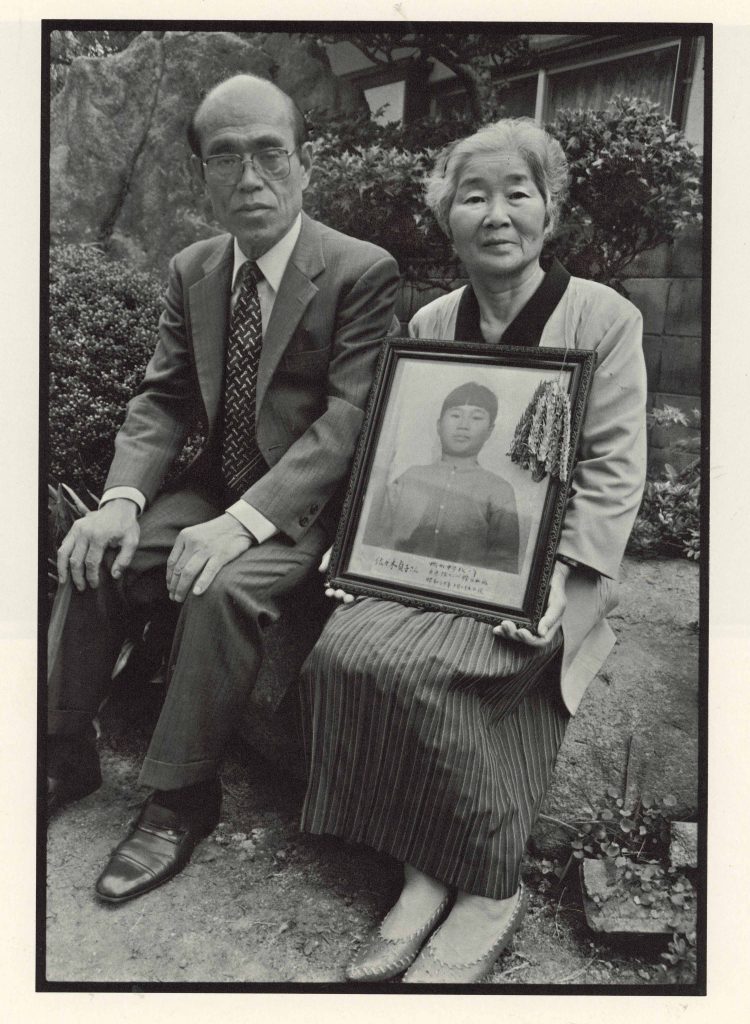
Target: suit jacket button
{"x":304,"y":521}
{"x":313,"y":508}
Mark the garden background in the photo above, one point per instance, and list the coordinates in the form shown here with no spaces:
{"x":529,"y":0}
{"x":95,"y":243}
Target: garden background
{"x":379,"y":104}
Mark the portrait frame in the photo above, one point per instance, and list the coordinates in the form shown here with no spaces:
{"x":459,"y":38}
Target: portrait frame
{"x":389,"y":543}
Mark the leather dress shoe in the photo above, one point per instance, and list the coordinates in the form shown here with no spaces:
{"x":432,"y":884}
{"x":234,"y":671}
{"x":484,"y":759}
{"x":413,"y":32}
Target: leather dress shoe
{"x":382,"y":958}
{"x":157,"y":848}
{"x":429,"y":969}
{"x":74,"y":779}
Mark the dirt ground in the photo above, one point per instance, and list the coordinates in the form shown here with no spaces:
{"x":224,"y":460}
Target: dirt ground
{"x":261,"y":902}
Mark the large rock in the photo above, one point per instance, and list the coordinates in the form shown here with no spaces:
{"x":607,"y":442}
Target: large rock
{"x":119,"y":160}
{"x":637,"y":726}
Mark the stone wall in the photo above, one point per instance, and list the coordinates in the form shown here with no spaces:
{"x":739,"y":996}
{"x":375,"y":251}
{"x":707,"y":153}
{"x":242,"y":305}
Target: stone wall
{"x":666,"y":285}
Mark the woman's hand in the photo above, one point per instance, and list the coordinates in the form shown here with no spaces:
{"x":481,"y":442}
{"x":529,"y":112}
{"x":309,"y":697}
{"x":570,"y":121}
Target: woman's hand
{"x":550,"y":621}
{"x":339,"y":595}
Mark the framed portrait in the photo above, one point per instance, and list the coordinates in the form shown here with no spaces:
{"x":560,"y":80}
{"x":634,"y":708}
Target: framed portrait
{"x":459,"y":484}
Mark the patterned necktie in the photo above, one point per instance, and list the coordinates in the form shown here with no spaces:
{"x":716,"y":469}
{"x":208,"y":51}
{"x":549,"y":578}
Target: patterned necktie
{"x":241,"y":461}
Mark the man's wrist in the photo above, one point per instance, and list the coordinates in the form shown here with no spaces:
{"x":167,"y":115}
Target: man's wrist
{"x":123,"y":503}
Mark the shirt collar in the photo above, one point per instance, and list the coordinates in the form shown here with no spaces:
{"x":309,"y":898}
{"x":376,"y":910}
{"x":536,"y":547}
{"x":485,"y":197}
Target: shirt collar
{"x":271,"y":264}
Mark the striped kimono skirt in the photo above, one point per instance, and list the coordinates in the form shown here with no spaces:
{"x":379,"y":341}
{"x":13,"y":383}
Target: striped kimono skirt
{"x":430,"y":739}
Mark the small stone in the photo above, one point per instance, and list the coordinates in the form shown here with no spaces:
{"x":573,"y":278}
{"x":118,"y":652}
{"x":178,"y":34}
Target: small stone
{"x":183,"y":964}
{"x":683,"y":847}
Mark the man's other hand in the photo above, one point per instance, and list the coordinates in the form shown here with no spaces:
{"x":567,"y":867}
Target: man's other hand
{"x":114,"y":525}
{"x":200,"y":551}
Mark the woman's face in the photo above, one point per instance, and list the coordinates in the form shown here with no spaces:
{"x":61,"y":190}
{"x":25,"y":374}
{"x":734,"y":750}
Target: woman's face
{"x":497,"y":217}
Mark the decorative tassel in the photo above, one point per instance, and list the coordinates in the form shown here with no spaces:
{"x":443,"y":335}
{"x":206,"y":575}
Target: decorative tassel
{"x":541,"y":441}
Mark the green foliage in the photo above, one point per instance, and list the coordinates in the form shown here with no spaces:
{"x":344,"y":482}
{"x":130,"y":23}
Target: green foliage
{"x":633,"y":838}
{"x":351,"y":133}
{"x":668,"y":521}
{"x":103,"y":318}
{"x":680,"y":959}
{"x":382,"y":189}
{"x":635,"y":182}
{"x":102,"y":331}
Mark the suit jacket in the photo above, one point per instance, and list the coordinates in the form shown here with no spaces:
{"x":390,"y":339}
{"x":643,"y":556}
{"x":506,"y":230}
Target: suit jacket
{"x":334,"y":305}
{"x":610,"y":473}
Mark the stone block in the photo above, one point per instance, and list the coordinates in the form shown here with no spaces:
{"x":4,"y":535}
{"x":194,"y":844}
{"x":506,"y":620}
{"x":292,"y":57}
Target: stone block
{"x":650,"y":296}
{"x":611,"y":908}
{"x":680,"y":371}
{"x":652,"y":352}
{"x":655,"y":262}
{"x":683,"y":846}
{"x":687,"y":253}
{"x":684,"y":307}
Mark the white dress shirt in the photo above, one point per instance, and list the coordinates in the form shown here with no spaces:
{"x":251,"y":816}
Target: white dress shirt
{"x":272,"y":265}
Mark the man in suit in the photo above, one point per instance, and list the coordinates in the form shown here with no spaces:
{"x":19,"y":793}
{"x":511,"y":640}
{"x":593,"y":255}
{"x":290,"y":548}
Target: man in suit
{"x":270,"y":333}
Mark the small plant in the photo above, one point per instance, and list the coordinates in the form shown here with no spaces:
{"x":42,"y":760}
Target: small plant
{"x":623,"y":833}
{"x":668,"y":521}
{"x":680,"y":959}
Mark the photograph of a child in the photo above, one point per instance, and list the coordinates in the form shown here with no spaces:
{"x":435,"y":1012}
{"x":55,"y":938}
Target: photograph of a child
{"x":453,"y":508}
{"x":445,"y":509}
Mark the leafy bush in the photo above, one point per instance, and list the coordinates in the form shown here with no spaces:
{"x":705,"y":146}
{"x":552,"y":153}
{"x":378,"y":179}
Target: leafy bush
{"x":634,"y":182}
{"x":102,"y":331}
{"x":668,"y":521}
{"x":380,"y":189}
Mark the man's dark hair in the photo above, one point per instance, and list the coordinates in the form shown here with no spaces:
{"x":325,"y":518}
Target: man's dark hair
{"x":299,"y":126}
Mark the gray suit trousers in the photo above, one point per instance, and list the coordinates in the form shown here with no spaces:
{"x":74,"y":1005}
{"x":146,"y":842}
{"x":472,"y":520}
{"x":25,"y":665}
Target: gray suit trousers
{"x":217,"y":646}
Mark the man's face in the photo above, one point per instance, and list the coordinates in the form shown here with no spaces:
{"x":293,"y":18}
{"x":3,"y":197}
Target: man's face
{"x":464,"y":429}
{"x":244,"y":117}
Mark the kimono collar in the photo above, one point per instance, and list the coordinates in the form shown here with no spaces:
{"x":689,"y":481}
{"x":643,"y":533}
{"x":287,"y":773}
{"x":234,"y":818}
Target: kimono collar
{"x":526,"y":328}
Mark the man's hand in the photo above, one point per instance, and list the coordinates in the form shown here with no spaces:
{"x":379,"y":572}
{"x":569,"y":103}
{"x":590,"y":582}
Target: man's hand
{"x":200,"y":551}
{"x":114,"y":525}
{"x":550,"y":621}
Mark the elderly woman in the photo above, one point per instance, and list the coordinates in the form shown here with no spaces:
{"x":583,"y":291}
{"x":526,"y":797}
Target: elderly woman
{"x":432,"y":736}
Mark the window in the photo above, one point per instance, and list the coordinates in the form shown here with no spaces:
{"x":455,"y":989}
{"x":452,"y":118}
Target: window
{"x":649,"y":75}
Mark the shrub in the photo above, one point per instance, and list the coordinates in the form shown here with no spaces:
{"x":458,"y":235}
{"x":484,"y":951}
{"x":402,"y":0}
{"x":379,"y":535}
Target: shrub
{"x":378,"y":192}
{"x":634,"y":182}
{"x":102,"y":331}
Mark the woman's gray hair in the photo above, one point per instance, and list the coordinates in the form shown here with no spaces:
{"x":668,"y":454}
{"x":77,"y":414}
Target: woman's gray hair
{"x":542,"y":154}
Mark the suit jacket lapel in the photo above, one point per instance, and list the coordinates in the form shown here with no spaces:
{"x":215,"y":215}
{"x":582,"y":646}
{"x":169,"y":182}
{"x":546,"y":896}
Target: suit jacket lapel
{"x":209,"y":311}
{"x":294,"y":295}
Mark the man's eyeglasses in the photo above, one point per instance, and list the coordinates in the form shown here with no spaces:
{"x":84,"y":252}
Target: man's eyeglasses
{"x":228,"y":168}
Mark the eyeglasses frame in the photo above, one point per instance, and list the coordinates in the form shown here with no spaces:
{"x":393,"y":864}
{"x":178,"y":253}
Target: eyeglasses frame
{"x":251,"y":160}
